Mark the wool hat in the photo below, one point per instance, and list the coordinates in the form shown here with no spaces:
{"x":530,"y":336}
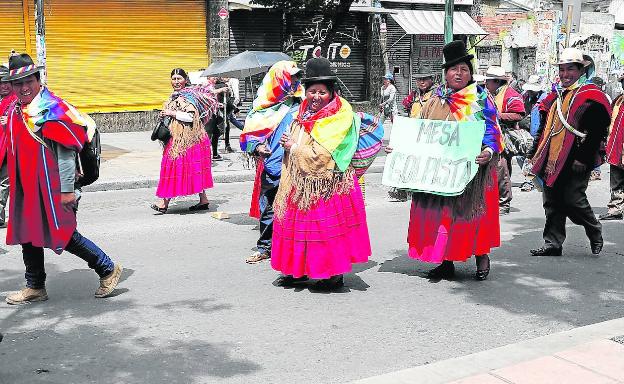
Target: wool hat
{"x":455,"y":53}
{"x":533,"y":84}
{"x":318,"y":69}
{"x":495,"y":72}
{"x":572,"y":55}
{"x":389,"y":76}
{"x":20,"y":66}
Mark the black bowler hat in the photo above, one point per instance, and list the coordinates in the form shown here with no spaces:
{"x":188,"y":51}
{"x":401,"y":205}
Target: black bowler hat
{"x":455,"y":53}
{"x":21,"y":66}
{"x":318,"y":69}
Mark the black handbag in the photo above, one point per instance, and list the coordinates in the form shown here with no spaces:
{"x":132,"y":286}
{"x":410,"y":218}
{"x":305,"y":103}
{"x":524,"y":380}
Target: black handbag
{"x":161,"y":130}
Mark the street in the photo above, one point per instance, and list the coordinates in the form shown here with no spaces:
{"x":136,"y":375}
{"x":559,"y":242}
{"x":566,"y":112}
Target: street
{"x":189,"y":310}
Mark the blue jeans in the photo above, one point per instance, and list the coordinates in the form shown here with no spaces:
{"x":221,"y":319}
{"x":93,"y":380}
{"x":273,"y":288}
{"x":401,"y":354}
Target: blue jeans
{"x":78,"y":245}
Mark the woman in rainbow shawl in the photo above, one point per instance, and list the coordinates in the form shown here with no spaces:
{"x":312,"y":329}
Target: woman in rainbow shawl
{"x":320,"y":227}
{"x":447,"y":229}
{"x":186,"y":166}
{"x":272,"y":113}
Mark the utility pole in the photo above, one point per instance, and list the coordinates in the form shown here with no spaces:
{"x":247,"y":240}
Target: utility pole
{"x":448,"y":21}
{"x":40,"y":37}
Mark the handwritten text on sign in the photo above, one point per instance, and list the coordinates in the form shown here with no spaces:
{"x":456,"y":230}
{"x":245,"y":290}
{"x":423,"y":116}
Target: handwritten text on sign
{"x":433,"y":156}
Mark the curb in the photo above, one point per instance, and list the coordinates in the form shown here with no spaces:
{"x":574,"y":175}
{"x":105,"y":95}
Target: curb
{"x":218,"y":178}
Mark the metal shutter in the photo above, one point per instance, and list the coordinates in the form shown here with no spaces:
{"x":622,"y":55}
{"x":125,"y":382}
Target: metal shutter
{"x":14,"y":33}
{"x":116,"y":55}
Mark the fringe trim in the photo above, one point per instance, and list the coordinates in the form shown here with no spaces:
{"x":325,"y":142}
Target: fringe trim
{"x":305,"y":190}
{"x":184,"y":135}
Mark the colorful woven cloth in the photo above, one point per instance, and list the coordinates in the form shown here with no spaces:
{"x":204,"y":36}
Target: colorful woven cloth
{"x":369,"y":144}
{"x":335,"y":127}
{"x":46,"y":106}
{"x":202,"y":98}
{"x":273,"y":101}
{"x":473,"y":104}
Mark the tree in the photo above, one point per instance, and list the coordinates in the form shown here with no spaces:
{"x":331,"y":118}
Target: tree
{"x":334,"y":12}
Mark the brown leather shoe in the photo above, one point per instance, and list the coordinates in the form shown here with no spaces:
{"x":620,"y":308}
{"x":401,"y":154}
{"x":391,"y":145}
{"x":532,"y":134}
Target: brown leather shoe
{"x":109,"y":282}
{"x":26,"y":296}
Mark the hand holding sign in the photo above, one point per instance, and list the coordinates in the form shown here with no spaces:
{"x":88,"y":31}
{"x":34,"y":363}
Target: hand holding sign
{"x":434,"y":156}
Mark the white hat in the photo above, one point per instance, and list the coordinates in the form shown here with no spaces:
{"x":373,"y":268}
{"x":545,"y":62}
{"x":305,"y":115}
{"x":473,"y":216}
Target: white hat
{"x":478,"y":78}
{"x":572,"y":55}
{"x":533,"y":84}
{"x":496,"y":73}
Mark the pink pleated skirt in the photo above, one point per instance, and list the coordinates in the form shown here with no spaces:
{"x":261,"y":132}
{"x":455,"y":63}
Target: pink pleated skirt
{"x":323,"y":241}
{"x":434,"y":236}
{"x":188,"y":174}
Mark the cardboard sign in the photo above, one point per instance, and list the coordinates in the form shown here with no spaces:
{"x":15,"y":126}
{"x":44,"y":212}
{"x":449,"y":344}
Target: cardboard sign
{"x":433,"y":156}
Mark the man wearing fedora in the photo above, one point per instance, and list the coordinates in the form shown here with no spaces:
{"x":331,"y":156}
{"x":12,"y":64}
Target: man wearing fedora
{"x":7,"y":99}
{"x":45,"y":134}
{"x":575,"y":118}
{"x":510,"y":107}
{"x":615,"y":158}
{"x":414,"y":102}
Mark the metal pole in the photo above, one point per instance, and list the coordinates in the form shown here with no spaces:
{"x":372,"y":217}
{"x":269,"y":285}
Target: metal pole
{"x":448,"y":21}
{"x":40,"y":37}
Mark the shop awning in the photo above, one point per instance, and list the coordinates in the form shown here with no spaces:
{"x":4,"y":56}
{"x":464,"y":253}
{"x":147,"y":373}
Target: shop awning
{"x":248,"y":6}
{"x":432,"y":23}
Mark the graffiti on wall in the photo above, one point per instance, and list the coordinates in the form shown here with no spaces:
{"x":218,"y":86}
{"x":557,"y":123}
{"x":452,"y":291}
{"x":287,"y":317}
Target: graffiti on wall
{"x":307,"y":43}
{"x":598,"y":48}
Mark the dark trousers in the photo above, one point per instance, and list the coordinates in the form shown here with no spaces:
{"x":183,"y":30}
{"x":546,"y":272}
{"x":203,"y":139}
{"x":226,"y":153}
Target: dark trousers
{"x":616,"y":204}
{"x":503,"y":170}
{"x":78,"y":245}
{"x":567,"y":198}
{"x":268,"y":190}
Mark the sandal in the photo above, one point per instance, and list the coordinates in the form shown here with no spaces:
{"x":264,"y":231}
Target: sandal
{"x":257,"y":257}
{"x":199,"y":207}
{"x":159,"y":209}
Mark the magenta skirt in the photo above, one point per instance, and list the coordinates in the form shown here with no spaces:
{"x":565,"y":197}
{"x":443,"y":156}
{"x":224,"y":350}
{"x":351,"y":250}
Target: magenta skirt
{"x":189,"y":174}
{"x":323,"y":241}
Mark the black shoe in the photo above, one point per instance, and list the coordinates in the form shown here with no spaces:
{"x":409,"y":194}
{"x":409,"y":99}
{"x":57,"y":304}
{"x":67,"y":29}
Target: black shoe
{"x":199,"y":207}
{"x":611,"y":216}
{"x":482,"y":274}
{"x":546,"y":251}
{"x":331,"y":283}
{"x":217,"y":157}
{"x":158,"y":209}
{"x":446,"y":270}
{"x":229,"y":149}
{"x":503,"y":211}
{"x":3,"y":224}
{"x":288,"y":281}
{"x":596,"y":248}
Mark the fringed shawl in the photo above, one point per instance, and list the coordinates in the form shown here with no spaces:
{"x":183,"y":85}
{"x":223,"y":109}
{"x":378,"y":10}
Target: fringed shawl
{"x":201,"y":103}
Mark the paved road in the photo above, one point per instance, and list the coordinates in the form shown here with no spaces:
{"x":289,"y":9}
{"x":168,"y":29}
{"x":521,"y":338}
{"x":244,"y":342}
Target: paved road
{"x":188,"y":310}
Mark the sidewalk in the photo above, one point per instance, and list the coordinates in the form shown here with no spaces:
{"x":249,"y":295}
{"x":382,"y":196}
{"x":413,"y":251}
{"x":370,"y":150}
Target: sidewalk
{"x":131,"y":160}
{"x":589,"y":355}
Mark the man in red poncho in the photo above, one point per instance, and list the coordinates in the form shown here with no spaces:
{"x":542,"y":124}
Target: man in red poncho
{"x":615,"y":158}
{"x":7,"y":98}
{"x":44,"y":135}
{"x":575,"y":118}
{"x":510,"y":106}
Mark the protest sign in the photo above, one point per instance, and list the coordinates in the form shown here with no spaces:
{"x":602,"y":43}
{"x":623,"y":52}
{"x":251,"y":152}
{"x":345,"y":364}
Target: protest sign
{"x":433,"y":156}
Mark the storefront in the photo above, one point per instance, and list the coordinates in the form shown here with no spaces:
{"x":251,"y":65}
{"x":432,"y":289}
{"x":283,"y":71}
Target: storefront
{"x":112,"y":55}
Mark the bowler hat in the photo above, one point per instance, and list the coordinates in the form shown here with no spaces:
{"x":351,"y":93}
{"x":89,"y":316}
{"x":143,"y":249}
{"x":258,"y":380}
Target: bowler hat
{"x":21,"y":66}
{"x":318,"y":69}
{"x":455,"y":53}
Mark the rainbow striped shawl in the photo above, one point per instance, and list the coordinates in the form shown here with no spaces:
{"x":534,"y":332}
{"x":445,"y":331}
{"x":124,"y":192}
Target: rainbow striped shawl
{"x":46,"y":106}
{"x":335,"y":127}
{"x":274,"y":99}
